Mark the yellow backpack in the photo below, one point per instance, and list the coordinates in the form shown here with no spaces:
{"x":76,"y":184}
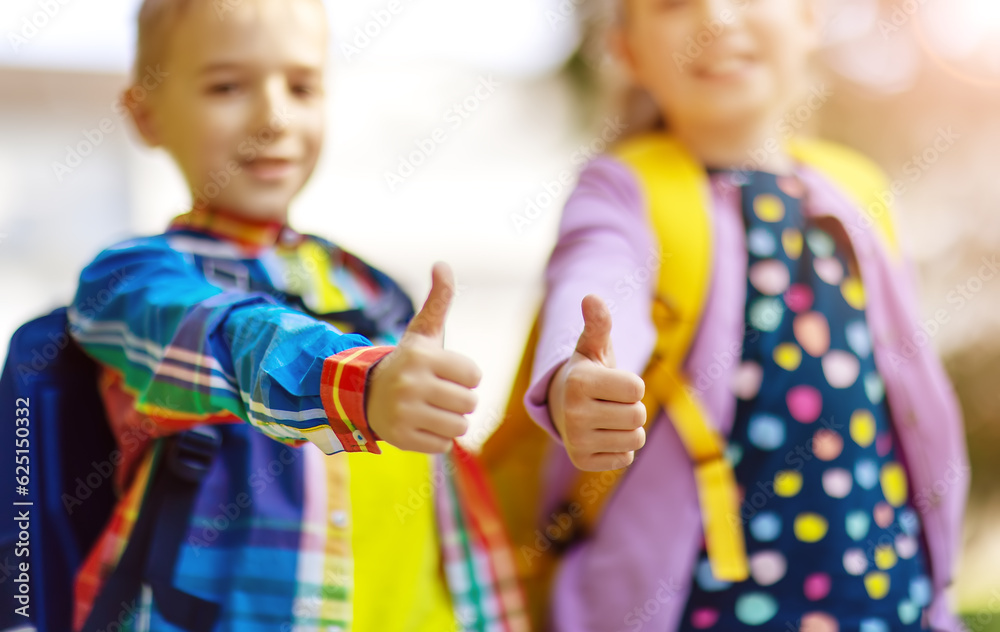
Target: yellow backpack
{"x":675,"y":186}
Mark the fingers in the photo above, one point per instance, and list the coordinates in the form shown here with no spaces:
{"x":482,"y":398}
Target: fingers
{"x":592,"y":442}
{"x":456,"y":368}
{"x":441,"y":423}
{"x":611,"y":416}
{"x":426,"y":361}
{"x":452,"y":398}
{"x":420,"y":392}
{"x":610,"y":385}
{"x":433,"y":431}
{"x":605,"y":462}
{"x":595,"y":341}
{"x":603,"y":416}
{"x":430,"y":320}
{"x":620,"y":441}
{"x":425,"y":442}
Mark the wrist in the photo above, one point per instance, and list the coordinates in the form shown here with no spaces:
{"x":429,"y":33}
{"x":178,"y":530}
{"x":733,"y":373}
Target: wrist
{"x":373,"y":420}
{"x":556,"y":399}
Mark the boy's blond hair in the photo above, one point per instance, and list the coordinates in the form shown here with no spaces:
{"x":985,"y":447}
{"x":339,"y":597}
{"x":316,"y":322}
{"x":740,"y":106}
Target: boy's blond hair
{"x":157,"y":21}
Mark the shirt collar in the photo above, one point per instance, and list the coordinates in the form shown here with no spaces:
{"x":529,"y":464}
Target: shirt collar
{"x":230,"y":226}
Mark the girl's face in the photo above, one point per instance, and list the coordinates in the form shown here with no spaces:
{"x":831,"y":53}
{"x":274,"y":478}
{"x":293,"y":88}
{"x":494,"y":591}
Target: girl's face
{"x":718,"y":62}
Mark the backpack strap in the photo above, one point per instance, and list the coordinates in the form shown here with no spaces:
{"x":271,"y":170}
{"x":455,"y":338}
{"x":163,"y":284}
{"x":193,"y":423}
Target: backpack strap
{"x":865,"y":184}
{"x":180,"y":463}
{"x":676,"y":191}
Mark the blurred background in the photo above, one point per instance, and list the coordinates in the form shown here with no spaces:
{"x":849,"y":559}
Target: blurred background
{"x":913,"y":83}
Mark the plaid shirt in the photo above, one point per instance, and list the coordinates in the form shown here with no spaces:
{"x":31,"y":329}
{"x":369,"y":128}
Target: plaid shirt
{"x":238,"y":323}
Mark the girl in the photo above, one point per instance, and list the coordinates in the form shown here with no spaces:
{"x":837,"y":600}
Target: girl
{"x":807,"y":473}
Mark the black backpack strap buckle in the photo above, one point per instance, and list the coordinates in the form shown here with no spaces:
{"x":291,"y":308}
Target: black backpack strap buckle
{"x":191,"y":453}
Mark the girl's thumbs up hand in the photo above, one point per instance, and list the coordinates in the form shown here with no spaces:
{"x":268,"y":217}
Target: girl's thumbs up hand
{"x":596,"y":408}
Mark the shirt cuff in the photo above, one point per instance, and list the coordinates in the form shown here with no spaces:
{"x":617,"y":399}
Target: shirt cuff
{"x":345,"y":377}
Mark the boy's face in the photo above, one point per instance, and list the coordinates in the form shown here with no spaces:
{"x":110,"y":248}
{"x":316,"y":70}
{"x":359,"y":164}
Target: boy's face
{"x":718,"y":62}
{"x":242,"y":110}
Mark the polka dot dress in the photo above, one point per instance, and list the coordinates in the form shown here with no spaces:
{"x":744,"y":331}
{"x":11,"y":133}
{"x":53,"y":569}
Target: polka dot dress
{"x":832,"y":541}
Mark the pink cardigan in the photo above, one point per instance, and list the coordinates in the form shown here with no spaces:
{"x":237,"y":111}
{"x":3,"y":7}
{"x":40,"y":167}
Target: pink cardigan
{"x":635,"y":571}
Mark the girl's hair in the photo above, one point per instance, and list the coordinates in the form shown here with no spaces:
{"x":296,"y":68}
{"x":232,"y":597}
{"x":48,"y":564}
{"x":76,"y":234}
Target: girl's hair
{"x":617,"y":94}
{"x":640,"y":112}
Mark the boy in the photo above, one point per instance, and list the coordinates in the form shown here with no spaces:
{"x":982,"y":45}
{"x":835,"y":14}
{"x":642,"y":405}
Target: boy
{"x":233,"y":319}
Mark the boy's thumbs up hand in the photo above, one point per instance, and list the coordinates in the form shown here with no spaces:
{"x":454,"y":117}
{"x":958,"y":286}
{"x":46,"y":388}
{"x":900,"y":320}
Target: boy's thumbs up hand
{"x":419,"y":394}
{"x":429,"y":321}
{"x":597,"y":408}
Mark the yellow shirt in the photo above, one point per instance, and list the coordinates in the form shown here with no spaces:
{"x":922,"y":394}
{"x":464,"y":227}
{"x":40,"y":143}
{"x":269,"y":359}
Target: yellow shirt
{"x":398,"y":580}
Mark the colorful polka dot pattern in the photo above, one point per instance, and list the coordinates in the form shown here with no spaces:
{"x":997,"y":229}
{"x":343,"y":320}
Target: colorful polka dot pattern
{"x":832,"y":540}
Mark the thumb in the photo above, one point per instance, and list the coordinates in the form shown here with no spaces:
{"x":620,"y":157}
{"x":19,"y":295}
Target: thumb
{"x":595,"y":341}
{"x":430,"y":320}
